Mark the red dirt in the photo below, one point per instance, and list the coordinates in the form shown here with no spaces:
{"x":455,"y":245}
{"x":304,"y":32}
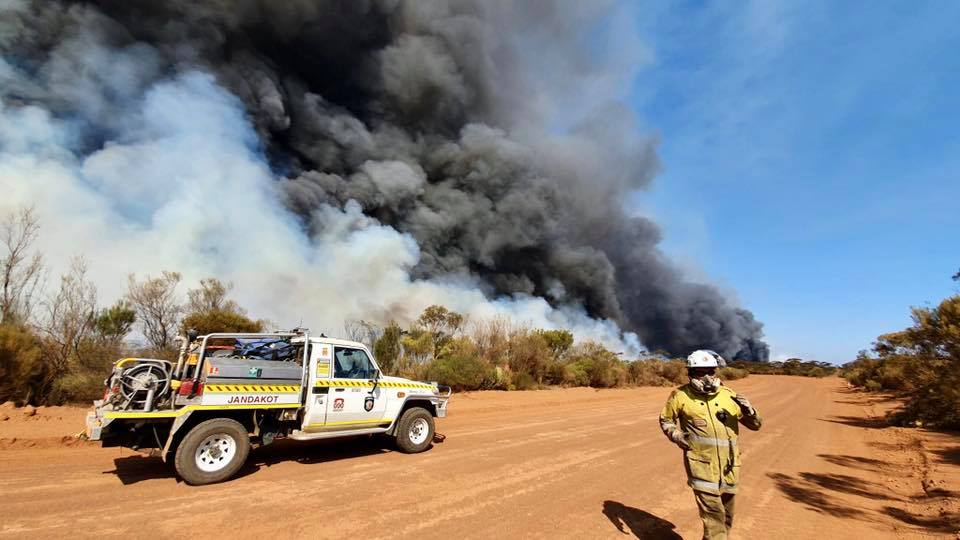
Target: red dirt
{"x":569,"y":463}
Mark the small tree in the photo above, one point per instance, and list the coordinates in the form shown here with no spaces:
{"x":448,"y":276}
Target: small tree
{"x":68,"y":322}
{"x":22,"y":271}
{"x":209,"y":310}
{"x":559,"y":341}
{"x":211,"y":295}
{"x":157,"y":305}
{"x":362,"y":331}
{"x":208,"y":322}
{"x":387,"y":350}
{"x":441,"y":323}
{"x":112,"y":324}
{"x":418,"y":344}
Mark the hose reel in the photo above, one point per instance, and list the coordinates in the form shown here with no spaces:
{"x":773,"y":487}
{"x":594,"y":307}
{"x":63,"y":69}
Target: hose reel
{"x":139,"y":386}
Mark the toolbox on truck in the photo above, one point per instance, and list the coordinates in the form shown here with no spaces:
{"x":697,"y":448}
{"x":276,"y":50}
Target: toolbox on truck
{"x":232,"y":367}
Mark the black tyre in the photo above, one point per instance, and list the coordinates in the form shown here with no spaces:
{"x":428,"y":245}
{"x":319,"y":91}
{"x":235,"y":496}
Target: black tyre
{"x":415,"y":430}
{"x":212,"y":451}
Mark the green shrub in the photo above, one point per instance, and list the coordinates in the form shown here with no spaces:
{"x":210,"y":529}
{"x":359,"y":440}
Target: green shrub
{"x":654,"y":372}
{"x":921,"y":363}
{"x":732,"y":373}
{"x":793,"y":366}
{"x":459,"y":366}
{"x":674,"y":371}
{"x":601,"y":368}
{"x":528,"y":354}
{"x":220,"y":320}
{"x":575,"y":374}
{"x":458,"y":372}
{"x":523,"y":381}
{"x":21,"y":367}
{"x":77,"y":387}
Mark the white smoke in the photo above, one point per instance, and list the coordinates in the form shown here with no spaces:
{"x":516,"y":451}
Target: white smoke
{"x":182,"y":185}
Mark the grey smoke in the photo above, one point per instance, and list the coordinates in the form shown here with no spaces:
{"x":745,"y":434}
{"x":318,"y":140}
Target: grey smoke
{"x":436,"y":119}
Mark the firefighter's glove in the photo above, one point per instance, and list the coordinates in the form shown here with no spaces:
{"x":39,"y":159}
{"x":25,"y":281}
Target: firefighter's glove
{"x":745,"y":406}
{"x":680,"y":439}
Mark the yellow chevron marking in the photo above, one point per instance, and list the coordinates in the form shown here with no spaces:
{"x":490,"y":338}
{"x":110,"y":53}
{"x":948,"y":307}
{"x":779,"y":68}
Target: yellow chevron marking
{"x":248,"y":388}
{"x":185,"y":410}
{"x":367,"y":384}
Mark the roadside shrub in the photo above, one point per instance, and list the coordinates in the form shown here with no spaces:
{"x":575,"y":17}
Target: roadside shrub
{"x":21,"y":368}
{"x":74,"y":387}
{"x":602,"y":368}
{"x":458,"y":372}
{"x":575,"y":374}
{"x":645,"y":373}
{"x":674,"y":371}
{"x":528,"y":354}
{"x":523,"y":381}
{"x":793,"y":366}
{"x":459,"y":366}
{"x":921,"y":363}
{"x":498,"y":378}
{"x":220,"y":320}
{"x":732,"y":373}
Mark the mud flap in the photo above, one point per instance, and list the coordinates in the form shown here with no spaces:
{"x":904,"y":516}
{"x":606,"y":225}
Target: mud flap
{"x":178,"y":422}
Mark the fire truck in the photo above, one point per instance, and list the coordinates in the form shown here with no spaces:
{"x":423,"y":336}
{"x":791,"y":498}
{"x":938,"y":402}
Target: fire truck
{"x":229,"y":391}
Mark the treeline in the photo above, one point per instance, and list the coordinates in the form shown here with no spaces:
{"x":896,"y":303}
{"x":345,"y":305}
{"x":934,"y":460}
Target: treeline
{"x":920,"y":363}
{"x":500,"y":354}
{"x":58,"y":344}
{"x":792,"y":366}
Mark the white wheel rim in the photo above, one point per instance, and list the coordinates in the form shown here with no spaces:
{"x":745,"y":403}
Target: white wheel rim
{"x":215,"y":452}
{"x":419,"y":431}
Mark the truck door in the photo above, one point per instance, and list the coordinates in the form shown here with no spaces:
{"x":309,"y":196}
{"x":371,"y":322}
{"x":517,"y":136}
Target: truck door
{"x":354,"y":401}
{"x":315,"y":406}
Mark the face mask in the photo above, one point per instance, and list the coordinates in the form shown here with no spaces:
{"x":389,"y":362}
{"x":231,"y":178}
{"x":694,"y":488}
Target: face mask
{"x":707,"y":384}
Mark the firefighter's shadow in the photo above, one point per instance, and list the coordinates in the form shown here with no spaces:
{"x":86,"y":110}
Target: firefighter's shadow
{"x":628,"y":519}
{"x":140,"y":467}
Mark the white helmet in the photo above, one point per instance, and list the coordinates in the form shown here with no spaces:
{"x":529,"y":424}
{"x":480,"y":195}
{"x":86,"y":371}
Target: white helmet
{"x":705,"y":358}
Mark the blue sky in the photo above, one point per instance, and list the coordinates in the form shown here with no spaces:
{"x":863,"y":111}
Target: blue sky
{"x":811,"y":159}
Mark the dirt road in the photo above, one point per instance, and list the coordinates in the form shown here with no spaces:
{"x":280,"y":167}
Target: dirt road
{"x":576,"y":463}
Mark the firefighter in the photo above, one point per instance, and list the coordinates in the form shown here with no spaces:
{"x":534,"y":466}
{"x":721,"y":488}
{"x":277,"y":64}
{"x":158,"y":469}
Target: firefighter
{"x":702,"y":418}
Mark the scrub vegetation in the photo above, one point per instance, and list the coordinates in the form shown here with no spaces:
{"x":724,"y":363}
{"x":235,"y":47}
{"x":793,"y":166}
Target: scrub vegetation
{"x":920,"y":363}
{"x":500,"y":354}
{"x":57,"y":344}
{"x":792,"y":366}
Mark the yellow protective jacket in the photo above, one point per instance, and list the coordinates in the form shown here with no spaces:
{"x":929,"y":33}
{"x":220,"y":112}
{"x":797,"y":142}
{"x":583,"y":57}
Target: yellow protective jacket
{"x":711,"y":423}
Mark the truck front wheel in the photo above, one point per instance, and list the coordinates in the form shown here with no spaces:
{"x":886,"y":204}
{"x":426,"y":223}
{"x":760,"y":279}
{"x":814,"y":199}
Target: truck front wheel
{"x":212,"y":451}
{"x":415,"y":430}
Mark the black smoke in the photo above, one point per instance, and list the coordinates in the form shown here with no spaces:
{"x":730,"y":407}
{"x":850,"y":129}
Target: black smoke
{"x":428,"y":114}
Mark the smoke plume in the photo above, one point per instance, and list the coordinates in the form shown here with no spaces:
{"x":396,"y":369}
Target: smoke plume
{"x":351,"y":159}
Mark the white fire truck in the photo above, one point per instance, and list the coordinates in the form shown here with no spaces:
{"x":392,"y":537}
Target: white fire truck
{"x":229,"y":390}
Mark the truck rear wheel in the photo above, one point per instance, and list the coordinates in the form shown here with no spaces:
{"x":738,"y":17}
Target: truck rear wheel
{"x":212,"y":451}
{"x":415,"y":430}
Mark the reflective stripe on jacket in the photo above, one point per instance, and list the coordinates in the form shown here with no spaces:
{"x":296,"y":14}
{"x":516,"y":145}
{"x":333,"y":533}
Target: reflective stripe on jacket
{"x":713,"y":460}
